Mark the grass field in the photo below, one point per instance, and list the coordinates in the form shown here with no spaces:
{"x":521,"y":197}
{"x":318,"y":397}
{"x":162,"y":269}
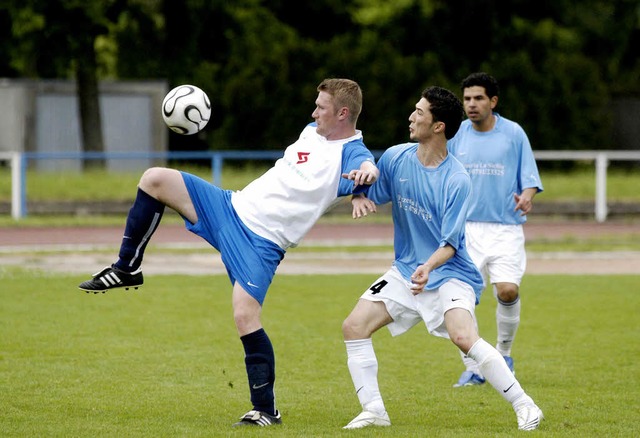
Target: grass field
{"x":576,"y":185}
{"x":166,"y":362}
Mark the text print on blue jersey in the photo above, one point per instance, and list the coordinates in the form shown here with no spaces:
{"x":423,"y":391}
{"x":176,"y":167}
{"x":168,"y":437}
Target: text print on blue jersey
{"x":412,"y":206}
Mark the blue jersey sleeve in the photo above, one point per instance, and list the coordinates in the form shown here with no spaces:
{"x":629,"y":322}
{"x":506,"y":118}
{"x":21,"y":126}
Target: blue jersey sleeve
{"x":380,"y":191}
{"x":354,"y":154}
{"x":528,"y":176}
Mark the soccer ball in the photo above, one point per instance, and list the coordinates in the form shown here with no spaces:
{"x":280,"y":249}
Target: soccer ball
{"x":186,"y":109}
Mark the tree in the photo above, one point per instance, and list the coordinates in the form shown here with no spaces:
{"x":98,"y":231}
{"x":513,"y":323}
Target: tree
{"x":57,"y":39}
{"x":559,"y":63}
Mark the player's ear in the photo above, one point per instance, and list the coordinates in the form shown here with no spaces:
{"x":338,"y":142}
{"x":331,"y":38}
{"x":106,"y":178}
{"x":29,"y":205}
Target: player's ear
{"x":494,"y":102}
{"x":343,"y":113}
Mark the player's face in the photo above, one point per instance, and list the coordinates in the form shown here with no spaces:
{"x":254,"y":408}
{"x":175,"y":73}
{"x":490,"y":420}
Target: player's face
{"x":421,"y":122}
{"x":477,"y":104}
{"x":326,"y":115}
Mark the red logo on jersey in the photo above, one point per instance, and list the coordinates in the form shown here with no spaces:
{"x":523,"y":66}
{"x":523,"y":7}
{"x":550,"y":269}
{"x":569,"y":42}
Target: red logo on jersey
{"x":303,"y":157}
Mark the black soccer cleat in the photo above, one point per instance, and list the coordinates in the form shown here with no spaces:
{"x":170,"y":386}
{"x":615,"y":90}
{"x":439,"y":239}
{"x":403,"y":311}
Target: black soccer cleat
{"x":259,"y":418}
{"x":112,"y":278}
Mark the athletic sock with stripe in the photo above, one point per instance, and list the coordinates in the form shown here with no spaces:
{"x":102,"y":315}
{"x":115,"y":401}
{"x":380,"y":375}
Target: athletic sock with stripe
{"x":142,"y":221}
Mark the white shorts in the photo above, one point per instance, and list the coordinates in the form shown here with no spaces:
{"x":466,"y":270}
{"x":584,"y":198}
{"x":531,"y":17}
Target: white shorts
{"x":407,"y":309}
{"x":497,"y":250}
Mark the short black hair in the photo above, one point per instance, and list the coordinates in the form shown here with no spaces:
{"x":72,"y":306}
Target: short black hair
{"x":445,"y":107}
{"x":482,"y":79}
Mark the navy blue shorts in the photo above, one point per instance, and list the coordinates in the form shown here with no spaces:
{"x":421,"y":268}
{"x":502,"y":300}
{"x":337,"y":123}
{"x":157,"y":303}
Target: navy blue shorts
{"x":250,"y":260}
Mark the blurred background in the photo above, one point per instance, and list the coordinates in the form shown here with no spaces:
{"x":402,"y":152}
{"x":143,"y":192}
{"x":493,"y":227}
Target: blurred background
{"x":90,"y":76}
{"x":569,"y":71}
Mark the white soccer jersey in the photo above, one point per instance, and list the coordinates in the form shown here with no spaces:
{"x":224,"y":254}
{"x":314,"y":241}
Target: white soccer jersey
{"x":501,"y":164}
{"x":283,"y":204}
{"x":429,"y":207}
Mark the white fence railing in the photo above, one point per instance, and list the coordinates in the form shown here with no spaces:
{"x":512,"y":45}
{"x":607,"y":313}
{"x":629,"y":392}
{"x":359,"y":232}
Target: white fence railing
{"x":601,"y":160}
{"x":14,"y":159}
{"x":18,"y":163}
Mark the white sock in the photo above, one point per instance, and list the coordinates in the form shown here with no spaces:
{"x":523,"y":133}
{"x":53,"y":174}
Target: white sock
{"x":507,"y":320}
{"x":363,"y":366}
{"x":496,"y":371}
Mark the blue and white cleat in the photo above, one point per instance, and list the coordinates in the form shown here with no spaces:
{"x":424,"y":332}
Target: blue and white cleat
{"x":509,"y":362}
{"x":469,"y":378}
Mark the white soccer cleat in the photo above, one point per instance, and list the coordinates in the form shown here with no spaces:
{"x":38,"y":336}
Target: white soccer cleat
{"x":366,"y":418}
{"x":529,"y":416}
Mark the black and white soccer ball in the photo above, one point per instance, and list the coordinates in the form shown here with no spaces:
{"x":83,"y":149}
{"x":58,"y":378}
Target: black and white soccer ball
{"x":186,"y":109}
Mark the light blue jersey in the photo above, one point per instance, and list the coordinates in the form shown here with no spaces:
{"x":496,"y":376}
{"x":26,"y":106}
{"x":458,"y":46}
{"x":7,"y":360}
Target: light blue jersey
{"x":501,"y":164}
{"x":429,"y":207}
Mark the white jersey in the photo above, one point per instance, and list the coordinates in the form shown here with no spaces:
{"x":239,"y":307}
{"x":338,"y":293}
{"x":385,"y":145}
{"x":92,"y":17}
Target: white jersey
{"x":501,"y":164}
{"x":283,"y":204}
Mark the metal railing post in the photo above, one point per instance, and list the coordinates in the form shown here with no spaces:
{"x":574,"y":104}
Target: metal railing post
{"x":216,"y":167}
{"x":17,"y":186}
{"x":602,"y":162}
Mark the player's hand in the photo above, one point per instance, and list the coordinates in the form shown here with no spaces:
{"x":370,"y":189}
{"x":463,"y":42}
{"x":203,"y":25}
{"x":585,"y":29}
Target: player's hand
{"x":419,"y":279}
{"x":523,"y":203}
{"x":366,"y":176}
{"x":362,"y":206}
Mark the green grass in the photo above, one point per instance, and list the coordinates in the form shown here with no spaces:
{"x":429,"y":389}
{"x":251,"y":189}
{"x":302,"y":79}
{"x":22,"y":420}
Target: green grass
{"x":574,"y":186}
{"x":601,"y":243}
{"x":578,"y":185}
{"x":93,"y":184}
{"x":165,"y":361}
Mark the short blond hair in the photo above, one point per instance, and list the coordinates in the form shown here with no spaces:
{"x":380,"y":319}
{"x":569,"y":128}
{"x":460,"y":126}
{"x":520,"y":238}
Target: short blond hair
{"x":345,"y":93}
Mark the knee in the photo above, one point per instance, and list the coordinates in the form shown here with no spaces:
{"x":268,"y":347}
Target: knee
{"x":353,"y":329}
{"x":507,"y":292}
{"x":246,"y":320}
{"x":151,"y":180}
{"x":464,"y":340}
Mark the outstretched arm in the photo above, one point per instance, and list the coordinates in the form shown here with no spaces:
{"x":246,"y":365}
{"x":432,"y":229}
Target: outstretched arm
{"x":367,"y":174}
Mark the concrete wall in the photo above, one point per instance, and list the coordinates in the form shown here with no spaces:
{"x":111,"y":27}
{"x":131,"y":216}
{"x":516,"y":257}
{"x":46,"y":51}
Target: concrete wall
{"x":44,"y":117}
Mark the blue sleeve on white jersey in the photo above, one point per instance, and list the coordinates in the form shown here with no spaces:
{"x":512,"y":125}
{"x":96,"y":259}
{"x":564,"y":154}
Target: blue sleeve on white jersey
{"x":354,"y":154}
{"x":380,"y":191}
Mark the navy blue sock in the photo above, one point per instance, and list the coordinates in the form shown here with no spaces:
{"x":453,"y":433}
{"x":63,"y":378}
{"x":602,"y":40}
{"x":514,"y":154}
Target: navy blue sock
{"x":261,"y":370}
{"x":142,"y":221}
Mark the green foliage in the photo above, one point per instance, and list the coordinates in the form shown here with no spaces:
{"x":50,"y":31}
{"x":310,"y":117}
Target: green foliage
{"x":560,"y":64}
{"x":166,"y":361}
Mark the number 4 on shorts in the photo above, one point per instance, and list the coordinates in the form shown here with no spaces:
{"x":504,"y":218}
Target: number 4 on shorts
{"x":376,"y":288}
